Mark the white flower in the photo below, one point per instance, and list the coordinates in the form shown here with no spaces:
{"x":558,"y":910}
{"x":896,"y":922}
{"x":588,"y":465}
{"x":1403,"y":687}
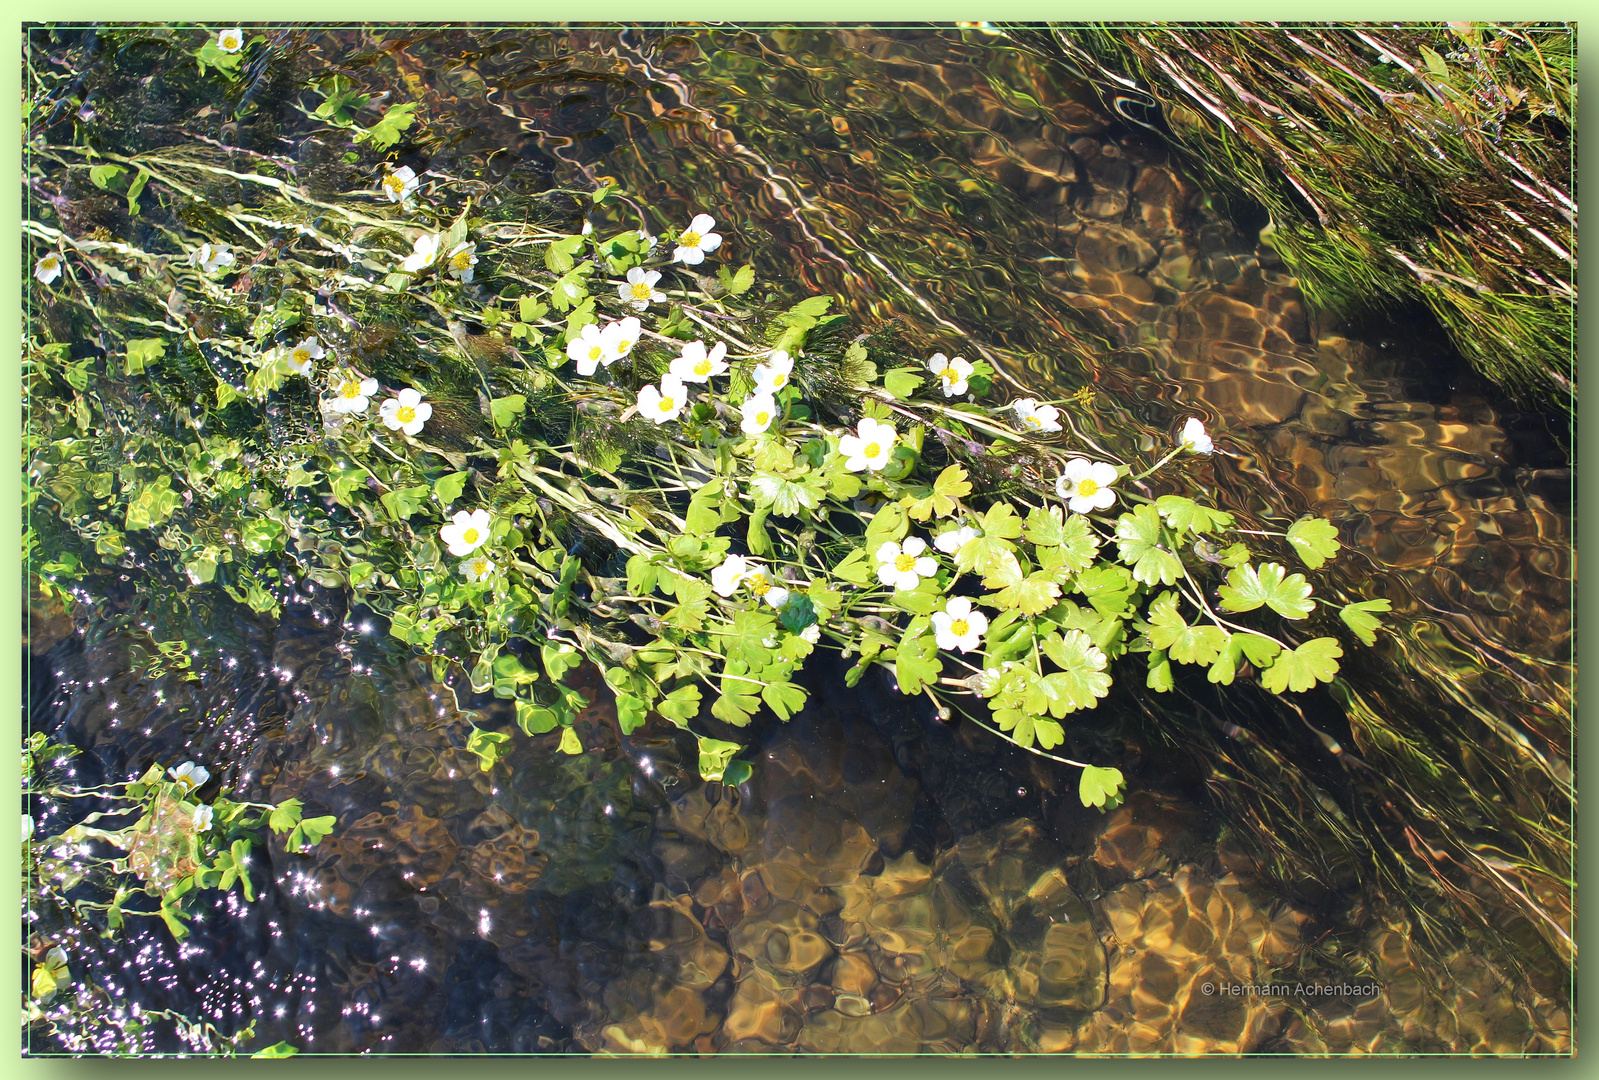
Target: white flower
{"x":590,"y":349}
{"x":773,"y":375}
{"x":812,"y":633}
{"x":763,"y":589}
{"x":696,"y":365}
{"x":405,"y":412}
{"x":1036,"y":417}
{"x":190,"y":776}
{"x":466,"y":532}
{"x":460,"y":260}
{"x":230,"y":41}
{"x":951,"y":374}
{"x":1195,"y":438}
{"x":47,"y":269}
{"x":958,"y":626}
{"x":696,"y":240}
{"x":665,"y":403}
{"x":621,"y":336}
{"x":212,"y":257}
{"x":725,"y":578}
{"x":400,"y":184}
{"x":202,"y":818}
{"x":952,"y":541}
{"x":352,"y":394}
{"x":640,"y":290}
{"x":903,"y":565}
{"x":301,"y":356}
{"x":1086,"y":485}
{"x":27,"y":827}
{"x":758,"y":413}
{"x":424,"y":252}
{"x":477,"y":568}
{"x":870,"y":447}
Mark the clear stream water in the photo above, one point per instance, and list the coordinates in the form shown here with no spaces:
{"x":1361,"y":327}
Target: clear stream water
{"x":885,"y":882}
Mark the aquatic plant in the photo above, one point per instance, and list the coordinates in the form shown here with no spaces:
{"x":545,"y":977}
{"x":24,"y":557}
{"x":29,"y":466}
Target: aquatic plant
{"x":147,"y":849}
{"x":584,"y":448}
{"x":1397,"y":163}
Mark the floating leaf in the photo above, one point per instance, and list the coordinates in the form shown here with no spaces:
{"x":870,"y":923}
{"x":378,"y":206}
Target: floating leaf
{"x":570,"y":743}
{"x":277,"y":1050}
{"x":489,"y":746}
{"x":1187,"y":515}
{"x":783,"y":698}
{"x":916,"y":662}
{"x":1314,"y":661}
{"x":785,"y":497}
{"x":1314,"y":539}
{"x":1032,"y":595}
{"x":1359,"y":618}
{"x":950,"y":486}
{"x":1138,"y":544}
{"x":1101,"y":787}
{"x":714,"y":757}
{"x":143,"y":352}
{"x":681,"y":705}
{"x":505,"y":409}
{"x":1257,"y":649}
{"x":1186,"y":644}
{"x":1082,"y":679}
{"x":902,"y":382}
{"x":1247,"y":589}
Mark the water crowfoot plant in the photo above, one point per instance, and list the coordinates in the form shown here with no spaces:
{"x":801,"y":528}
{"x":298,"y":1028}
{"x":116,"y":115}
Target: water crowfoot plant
{"x":561,"y":498}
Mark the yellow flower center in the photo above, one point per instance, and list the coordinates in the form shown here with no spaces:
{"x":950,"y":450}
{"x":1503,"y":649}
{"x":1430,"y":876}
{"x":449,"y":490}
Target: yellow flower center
{"x":873,"y":449}
{"x":405,"y":414}
{"x":780,"y":380}
{"x":623,"y":347}
{"x":763,"y":418}
{"x":1032,"y":420}
{"x":904,"y":562}
{"x":462,"y":260}
{"x":758,"y":584}
{"x":595,"y":352}
{"x":302,"y":356}
{"x":960,"y":627}
{"x":641,"y":290}
{"x":470,"y":536}
{"x":703,"y":367}
{"x":351,"y":390}
{"x":480,"y":567}
{"x":950,"y":375}
{"x":1086,"y":488}
{"x":666,"y":404}
{"x":394,"y":183}
{"x":48,"y":262}
{"x":690,"y":239}
{"x":229,"y":41}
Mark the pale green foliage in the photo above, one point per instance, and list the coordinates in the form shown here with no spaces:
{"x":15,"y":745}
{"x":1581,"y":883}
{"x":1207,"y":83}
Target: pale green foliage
{"x":569,"y":475}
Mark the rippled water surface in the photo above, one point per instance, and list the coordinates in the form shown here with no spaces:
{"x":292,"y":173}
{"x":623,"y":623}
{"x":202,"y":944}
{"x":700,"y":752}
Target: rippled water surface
{"x":887,"y":883}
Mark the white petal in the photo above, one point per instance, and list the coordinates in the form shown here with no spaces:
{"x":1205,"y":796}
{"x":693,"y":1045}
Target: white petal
{"x":702,"y":224}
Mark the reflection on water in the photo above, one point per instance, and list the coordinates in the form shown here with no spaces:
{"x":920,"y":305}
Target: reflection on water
{"x":886,"y":883}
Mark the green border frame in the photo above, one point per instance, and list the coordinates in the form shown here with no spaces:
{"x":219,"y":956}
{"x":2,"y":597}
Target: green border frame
{"x":815,"y":12}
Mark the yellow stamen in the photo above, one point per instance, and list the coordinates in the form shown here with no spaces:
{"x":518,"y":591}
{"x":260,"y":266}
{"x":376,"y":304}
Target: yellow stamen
{"x":405,"y":414}
{"x":622,"y":347}
{"x":763,"y":418}
{"x":904,"y":562}
{"x":873,"y":450}
{"x":470,"y":536}
{"x":780,"y":380}
{"x":960,"y":627}
{"x":595,"y":352}
{"x":352,"y":389}
{"x":702,"y":368}
{"x":758,"y":584}
{"x":462,"y":260}
{"x":1086,"y":488}
{"x":666,"y":404}
{"x":641,"y":290}
{"x":950,"y":375}
{"x":302,"y":356}
{"x":690,"y":239}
